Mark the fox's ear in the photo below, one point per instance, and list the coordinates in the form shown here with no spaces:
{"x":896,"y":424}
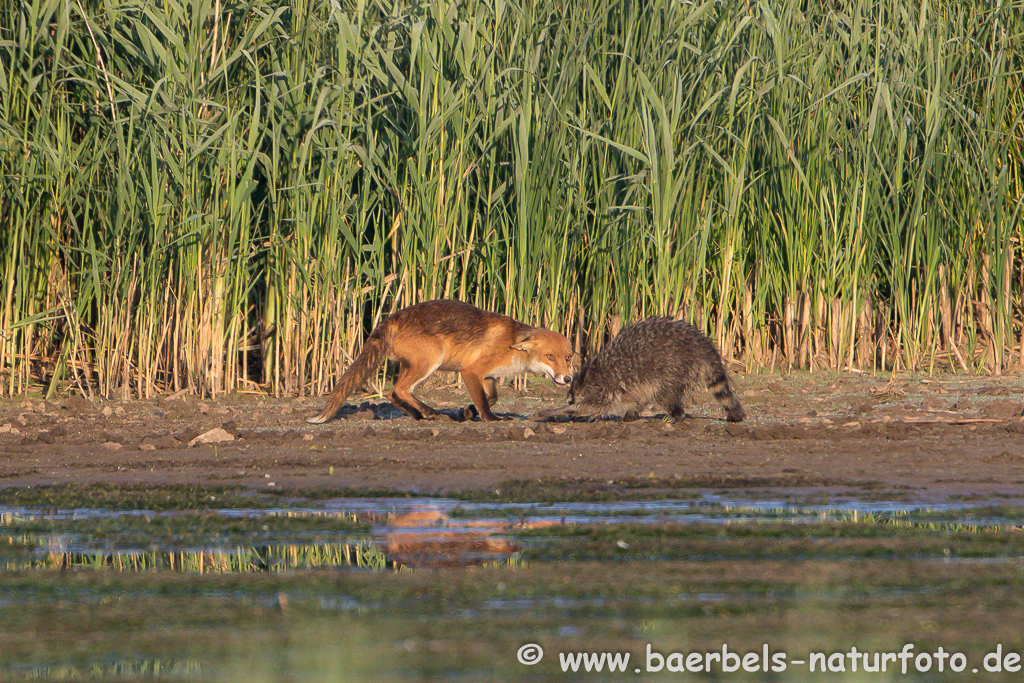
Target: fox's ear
{"x":525,"y":342}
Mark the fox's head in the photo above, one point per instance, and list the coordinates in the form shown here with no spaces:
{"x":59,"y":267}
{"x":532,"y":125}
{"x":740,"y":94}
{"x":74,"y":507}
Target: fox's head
{"x":547,"y":353}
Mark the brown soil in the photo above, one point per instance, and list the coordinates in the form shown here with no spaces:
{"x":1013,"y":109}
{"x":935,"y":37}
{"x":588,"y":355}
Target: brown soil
{"x":914,"y":438}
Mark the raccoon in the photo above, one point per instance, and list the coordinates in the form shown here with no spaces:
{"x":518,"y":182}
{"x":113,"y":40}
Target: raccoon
{"x":657,"y":360}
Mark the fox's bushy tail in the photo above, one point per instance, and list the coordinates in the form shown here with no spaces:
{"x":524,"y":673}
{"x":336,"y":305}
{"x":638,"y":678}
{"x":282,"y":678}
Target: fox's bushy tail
{"x":366,"y":363}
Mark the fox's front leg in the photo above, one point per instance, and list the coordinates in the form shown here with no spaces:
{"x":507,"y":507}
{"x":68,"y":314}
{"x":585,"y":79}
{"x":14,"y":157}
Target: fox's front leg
{"x":490,"y":390}
{"x":484,"y":393}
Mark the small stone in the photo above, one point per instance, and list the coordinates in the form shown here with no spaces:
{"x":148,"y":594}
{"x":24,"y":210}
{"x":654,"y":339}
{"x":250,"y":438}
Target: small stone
{"x":215,"y":435}
{"x":77,"y":405}
{"x":147,"y":447}
{"x":520,"y":433}
{"x":1001,"y":409}
{"x":107,"y":411}
{"x":120,"y":411}
{"x":362,"y":415}
{"x":111,"y":446}
{"x":166,"y":442}
{"x":863,"y":408}
{"x":6,"y":429}
{"x":307,"y":437}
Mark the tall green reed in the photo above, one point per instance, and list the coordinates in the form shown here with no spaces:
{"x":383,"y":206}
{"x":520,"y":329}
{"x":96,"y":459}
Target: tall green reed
{"x":227,"y":196}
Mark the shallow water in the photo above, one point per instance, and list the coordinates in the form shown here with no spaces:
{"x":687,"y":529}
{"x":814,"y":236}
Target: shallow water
{"x":435,"y":588}
{"x":410,"y":532}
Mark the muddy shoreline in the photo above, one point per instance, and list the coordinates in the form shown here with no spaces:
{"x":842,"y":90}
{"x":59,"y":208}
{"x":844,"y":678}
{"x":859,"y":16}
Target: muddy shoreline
{"x":925,"y":439}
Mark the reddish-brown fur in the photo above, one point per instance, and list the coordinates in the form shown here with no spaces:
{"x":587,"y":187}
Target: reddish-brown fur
{"x":455,"y":337}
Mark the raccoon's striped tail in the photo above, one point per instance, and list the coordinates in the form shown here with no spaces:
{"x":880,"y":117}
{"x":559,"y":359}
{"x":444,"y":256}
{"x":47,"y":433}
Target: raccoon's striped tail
{"x":722,"y":391}
{"x":365,"y":364}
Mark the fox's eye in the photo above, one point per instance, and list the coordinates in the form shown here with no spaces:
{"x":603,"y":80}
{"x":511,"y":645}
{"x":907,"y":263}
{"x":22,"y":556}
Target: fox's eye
{"x":551,"y":357}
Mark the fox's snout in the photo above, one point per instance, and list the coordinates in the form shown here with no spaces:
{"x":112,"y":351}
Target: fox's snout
{"x":561,"y":380}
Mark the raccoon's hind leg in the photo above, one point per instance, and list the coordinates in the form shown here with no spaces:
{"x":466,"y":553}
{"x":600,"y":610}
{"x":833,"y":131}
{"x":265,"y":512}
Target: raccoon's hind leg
{"x":675,"y":404}
{"x":722,"y":392}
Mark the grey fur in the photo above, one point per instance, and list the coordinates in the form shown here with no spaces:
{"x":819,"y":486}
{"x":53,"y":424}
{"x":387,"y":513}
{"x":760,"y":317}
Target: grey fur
{"x":657,"y":360}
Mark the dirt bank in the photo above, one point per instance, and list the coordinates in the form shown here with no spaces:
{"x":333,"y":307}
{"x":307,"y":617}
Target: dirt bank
{"x":915,"y":438}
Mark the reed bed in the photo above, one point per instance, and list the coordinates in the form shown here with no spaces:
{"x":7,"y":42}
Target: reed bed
{"x":224,"y":196}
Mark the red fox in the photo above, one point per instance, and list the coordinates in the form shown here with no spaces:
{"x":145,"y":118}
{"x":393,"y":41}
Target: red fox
{"x":457,"y":337}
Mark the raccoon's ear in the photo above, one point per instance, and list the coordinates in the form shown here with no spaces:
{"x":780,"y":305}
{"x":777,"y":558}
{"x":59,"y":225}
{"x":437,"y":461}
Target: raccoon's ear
{"x":525,"y":342}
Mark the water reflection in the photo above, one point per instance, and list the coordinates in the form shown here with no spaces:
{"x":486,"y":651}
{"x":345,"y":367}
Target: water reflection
{"x":417,"y":538}
{"x":114,"y":669}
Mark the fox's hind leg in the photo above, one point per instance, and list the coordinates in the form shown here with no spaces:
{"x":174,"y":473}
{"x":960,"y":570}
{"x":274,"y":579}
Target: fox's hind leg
{"x":409,"y":377}
{"x":490,"y":386}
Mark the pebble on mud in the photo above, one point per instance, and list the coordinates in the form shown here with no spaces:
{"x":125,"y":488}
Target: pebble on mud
{"x":111,"y":446}
{"x":1001,"y":409}
{"x":520,"y":433}
{"x":164,"y":442}
{"x":215,"y":435}
{"x":77,"y":405}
